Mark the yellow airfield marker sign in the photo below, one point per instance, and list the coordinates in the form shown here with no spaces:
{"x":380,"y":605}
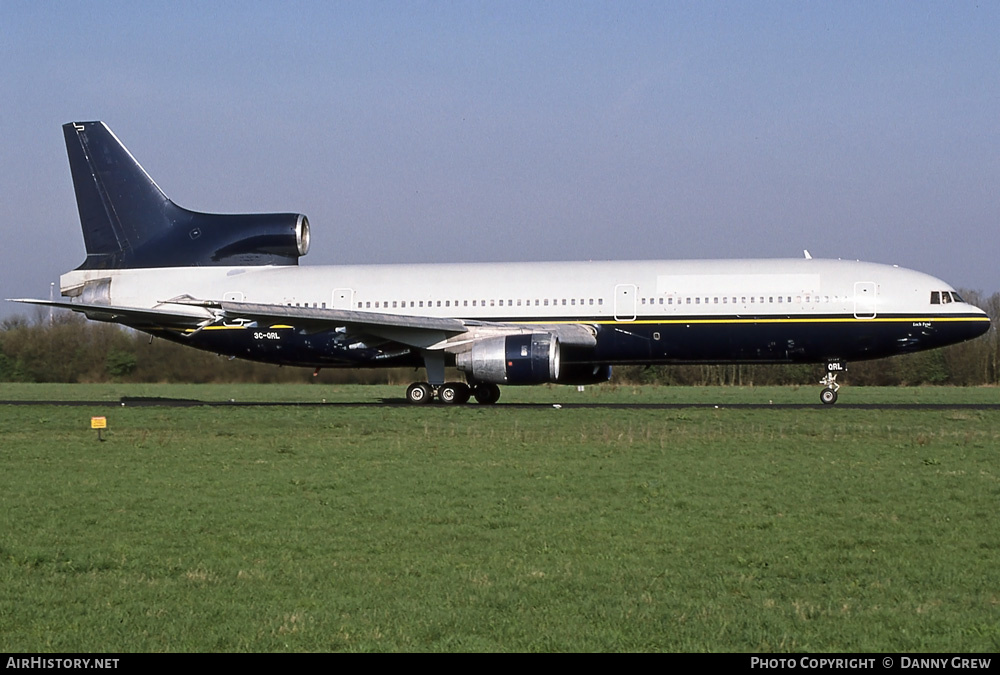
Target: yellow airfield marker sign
{"x":99,"y":423}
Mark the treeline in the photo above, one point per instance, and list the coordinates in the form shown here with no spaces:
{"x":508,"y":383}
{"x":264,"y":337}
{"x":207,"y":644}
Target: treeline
{"x":67,"y":348}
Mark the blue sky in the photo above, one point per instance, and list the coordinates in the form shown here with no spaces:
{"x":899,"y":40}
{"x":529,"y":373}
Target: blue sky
{"x":467,"y":131}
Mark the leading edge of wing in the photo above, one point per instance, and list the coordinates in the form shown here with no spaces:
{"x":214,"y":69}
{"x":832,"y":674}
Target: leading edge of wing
{"x":319,"y":318}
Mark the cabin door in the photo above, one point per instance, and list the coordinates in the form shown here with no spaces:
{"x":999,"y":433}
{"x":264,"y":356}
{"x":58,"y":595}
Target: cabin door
{"x":625,"y":302}
{"x":343,"y":298}
{"x":864,"y":299}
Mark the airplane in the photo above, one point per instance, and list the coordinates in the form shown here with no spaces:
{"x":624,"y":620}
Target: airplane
{"x":231,"y":284}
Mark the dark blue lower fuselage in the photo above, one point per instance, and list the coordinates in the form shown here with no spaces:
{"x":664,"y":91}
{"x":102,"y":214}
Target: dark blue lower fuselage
{"x":719,"y":339}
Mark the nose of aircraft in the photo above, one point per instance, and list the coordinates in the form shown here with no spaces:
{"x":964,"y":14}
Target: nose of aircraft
{"x":979,"y":323}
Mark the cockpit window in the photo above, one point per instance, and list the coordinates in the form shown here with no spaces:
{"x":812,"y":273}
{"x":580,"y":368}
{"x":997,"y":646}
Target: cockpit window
{"x":944,"y":297}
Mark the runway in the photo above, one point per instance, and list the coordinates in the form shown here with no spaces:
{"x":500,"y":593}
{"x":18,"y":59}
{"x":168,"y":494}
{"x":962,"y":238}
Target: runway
{"x":145,"y":402}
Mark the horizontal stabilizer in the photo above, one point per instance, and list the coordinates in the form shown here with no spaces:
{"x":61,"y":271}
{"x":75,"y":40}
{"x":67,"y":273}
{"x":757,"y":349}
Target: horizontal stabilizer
{"x":130,"y":316}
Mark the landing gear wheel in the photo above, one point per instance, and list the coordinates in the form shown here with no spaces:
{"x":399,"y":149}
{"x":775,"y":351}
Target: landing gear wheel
{"x":419,"y":392}
{"x":455,"y":393}
{"x":487,"y":394}
{"x":829,"y":394}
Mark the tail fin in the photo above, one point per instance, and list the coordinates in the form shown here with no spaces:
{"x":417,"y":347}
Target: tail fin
{"x":120,"y":206}
{"x":129,"y":222}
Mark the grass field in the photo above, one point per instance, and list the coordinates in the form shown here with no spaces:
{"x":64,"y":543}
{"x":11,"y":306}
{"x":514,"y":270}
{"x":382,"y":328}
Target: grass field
{"x":476,"y":528}
{"x":608,"y":393}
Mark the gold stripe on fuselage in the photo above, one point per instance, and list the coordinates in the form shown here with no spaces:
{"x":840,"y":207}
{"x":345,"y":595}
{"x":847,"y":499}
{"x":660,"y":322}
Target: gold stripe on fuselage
{"x":909,"y":319}
{"x":689,"y":321}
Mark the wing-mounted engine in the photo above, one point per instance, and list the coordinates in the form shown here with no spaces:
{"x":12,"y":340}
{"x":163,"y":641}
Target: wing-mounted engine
{"x":529,"y":358}
{"x":506,"y":354}
{"x":512,"y":359}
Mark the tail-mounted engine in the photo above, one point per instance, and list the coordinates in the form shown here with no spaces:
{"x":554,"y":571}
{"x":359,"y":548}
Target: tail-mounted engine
{"x":252,"y":239}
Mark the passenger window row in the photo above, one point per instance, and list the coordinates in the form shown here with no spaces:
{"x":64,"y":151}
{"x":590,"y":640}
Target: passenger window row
{"x":743,"y":300}
{"x":508,"y":302}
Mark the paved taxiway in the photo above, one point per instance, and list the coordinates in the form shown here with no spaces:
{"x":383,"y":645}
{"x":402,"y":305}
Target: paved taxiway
{"x":134,"y":402}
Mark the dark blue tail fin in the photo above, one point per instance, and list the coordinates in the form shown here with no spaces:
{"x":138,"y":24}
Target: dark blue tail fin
{"x":128,"y":221}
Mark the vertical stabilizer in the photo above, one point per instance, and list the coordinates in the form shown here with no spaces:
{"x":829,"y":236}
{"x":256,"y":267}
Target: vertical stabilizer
{"x":120,"y":205}
{"x":129,"y":222}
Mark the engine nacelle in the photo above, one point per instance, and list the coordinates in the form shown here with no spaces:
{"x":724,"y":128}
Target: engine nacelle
{"x":512,"y":359}
{"x":245,"y":239}
{"x":196,"y":239}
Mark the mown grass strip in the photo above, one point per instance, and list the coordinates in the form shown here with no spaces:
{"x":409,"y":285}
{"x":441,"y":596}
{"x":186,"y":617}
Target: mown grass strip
{"x":386,"y":529}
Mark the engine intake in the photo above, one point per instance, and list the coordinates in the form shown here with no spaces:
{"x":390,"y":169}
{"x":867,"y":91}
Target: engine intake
{"x":245,"y":238}
{"x":196,"y":239}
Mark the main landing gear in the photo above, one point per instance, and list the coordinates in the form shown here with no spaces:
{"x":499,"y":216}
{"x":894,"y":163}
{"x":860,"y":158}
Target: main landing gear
{"x":829,"y":394}
{"x":453,"y":393}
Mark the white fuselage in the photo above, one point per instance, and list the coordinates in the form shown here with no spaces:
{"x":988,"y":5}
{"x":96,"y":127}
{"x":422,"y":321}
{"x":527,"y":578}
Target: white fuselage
{"x":539,"y":292}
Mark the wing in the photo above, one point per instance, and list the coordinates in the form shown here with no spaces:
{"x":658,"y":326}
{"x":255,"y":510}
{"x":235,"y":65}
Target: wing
{"x":424,"y":332}
{"x":188,"y":316}
{"x":188,"y":313}
{"x":420,"y":332}
{"x":413,"y":331}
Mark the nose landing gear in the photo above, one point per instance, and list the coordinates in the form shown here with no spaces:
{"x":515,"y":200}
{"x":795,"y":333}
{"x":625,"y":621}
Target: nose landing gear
{"x":829,"y":394}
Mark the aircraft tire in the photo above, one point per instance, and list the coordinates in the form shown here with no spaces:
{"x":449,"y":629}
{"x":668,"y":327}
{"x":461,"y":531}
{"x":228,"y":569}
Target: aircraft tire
{"x":828,"y":396}
{"x":419,"y":393}
{"x":487,"y":394}
{"x":454,"y":393}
